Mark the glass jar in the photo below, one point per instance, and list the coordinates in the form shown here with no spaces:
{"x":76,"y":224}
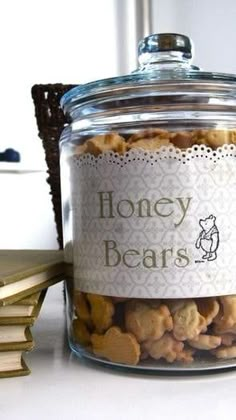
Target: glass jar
{"x":148,"y":181}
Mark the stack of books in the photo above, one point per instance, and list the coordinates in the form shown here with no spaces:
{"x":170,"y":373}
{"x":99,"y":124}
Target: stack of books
{"x":24,"y":279}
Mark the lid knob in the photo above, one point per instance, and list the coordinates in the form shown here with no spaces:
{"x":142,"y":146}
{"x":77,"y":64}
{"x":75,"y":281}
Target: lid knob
{"x":165,"y":47}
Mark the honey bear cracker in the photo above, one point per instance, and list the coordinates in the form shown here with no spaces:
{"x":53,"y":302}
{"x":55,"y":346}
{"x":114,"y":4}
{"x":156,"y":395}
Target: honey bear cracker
{"x":224,"y":352}
{"x":102,"y":311}
{"x":116,"y":346}
{"x":208,"y":308}
{"x":165,"y":348}
{"x":152,"y":144}
{"x":205,"y":342}
{"x":175,"y":304}
{"x":105,"y":142}
{"x":228,"y":319}
{"x":188,"y":322}
{"x":185,"y":356}
{"x":147,"y":322}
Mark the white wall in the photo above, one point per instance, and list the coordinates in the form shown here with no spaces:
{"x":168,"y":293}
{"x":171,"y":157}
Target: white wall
{"x":49,"y":41}
{"x":211,"y":25}
{"x":44,"y":41}
{"x":27,"y":220}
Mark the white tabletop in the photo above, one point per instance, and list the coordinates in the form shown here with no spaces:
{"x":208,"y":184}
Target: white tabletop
{"x":61,"y":387}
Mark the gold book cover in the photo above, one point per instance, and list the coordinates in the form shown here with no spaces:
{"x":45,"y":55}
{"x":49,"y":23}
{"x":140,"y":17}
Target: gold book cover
{"x":12,"y":364}
{"x":23,"y":272}
{"x":16,"y":337}
{"x":22,"y":314}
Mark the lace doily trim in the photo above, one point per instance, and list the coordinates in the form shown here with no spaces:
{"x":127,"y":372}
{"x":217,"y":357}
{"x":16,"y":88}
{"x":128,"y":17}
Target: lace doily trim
{"x":153,"y":156}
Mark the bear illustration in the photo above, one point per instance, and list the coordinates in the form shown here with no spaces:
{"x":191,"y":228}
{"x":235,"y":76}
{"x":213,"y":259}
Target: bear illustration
{"x":208,"y":239}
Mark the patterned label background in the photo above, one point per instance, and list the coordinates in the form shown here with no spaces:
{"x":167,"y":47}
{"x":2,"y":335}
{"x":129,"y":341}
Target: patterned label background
{"x":155,"y":224}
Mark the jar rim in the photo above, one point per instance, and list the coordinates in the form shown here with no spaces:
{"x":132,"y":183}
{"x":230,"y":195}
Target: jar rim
{"x":115,"y":85}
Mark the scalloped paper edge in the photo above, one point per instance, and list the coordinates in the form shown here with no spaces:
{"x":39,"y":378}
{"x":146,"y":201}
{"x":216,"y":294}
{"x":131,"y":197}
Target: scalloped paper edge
{"x":153,"y":156}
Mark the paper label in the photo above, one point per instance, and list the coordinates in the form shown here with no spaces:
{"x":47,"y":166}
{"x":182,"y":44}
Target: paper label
{"x":155,"y":224}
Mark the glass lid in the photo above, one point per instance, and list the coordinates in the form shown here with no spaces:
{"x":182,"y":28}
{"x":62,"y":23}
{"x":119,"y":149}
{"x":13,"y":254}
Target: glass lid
{"x":164,"y":59}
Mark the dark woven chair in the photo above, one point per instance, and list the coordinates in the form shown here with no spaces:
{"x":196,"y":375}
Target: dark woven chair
{"x":50,"y":122}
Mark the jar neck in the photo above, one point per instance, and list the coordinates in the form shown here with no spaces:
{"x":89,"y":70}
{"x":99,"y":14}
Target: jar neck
{"x":166,"y":60}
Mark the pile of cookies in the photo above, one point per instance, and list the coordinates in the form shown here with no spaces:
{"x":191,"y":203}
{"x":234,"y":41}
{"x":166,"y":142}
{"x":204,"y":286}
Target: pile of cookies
{"x":153,"y":139}
{"x":128,"y":331}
